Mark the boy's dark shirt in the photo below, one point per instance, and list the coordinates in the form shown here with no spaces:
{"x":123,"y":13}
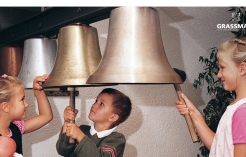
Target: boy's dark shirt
{"x":112,"y":145}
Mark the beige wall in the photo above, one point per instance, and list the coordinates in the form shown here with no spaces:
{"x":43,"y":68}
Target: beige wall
{"x":155,"y":128}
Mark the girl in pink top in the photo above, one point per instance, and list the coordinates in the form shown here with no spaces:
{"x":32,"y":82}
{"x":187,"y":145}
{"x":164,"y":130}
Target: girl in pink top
{"x":13,"y":108}
{"x":230,"y":137}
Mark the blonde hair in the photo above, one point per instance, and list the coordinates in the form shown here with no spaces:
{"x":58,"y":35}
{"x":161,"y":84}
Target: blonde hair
{"x":234,"y":50}
{"x":9,"y":85}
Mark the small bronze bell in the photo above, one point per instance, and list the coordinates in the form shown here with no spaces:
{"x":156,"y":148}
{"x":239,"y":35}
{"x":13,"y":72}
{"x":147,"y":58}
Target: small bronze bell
{"x":77,"y":57}
{"x":10,"y":60}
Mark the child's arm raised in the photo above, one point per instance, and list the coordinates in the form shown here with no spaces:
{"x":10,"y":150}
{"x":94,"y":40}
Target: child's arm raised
{"x":45,"y":112}
{"x":204,"y":132}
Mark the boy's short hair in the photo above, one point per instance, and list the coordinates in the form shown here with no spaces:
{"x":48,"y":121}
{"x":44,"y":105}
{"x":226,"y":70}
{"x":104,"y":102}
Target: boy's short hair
{"x":121,"y":103}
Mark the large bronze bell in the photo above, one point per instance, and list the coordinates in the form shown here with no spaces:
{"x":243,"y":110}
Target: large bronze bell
{"x":10,"y":60}
{"x":135,"y":54}
{"x":134,"y":51}
{"x":38,"y":58}
{"x":77,"y":57}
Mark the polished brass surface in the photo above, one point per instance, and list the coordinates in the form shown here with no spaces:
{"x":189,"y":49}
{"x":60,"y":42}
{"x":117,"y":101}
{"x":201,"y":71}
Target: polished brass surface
{"x":10,"y":60}
{"x":39,"y":57}
{"x":134,"y":52}
{"x":77,"y":57}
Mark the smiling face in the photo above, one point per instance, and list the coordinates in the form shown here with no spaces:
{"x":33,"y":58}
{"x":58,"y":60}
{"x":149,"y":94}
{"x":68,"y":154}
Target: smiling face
{"x":18,"y":105}
{"x":228,"y":73}
{"x":102,"y":110}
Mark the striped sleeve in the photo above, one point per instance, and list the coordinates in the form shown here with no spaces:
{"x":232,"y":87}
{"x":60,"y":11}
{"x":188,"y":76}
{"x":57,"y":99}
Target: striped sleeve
{"x":110,"y":150}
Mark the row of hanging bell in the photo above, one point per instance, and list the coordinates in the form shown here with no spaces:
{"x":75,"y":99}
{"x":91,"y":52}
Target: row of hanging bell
{"x":76,"y":57}
{"x":134,"y":53}
{"x":36,"y":58}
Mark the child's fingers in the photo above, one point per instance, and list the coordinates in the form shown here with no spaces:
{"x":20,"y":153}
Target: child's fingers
{"x":182,"y":108}
{"x":76,"y":111}
{"x":42,"y":78}
{"x":178,"y":102}
{"x":186,"y":108}
{"x":46,"y":76}
{"x":68,"y":128}
{"x":69,"y":117}
{"x":38,"y":81}
{"x":187,"y":101}
{"x":69,"y":108}
{"x":71,"y":130}
{"x":70,"y":113}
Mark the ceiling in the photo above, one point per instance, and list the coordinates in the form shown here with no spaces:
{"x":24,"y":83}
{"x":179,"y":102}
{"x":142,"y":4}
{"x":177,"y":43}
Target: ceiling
{"x":12,"y":15}
{"x":199,"y":22}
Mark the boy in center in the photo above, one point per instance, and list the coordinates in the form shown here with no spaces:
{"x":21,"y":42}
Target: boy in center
{"x":101,"y":139}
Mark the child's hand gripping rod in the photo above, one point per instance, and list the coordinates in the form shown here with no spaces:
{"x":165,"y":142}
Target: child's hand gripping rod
{"x":187,"y":116}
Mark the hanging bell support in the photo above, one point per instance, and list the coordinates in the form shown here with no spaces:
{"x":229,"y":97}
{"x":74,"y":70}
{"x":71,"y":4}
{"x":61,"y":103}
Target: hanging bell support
{"x":72,"y":104}
{"x":190,"y":125}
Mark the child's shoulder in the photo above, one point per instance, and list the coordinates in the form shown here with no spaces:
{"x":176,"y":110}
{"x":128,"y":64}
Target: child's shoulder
{"x":240,"y":111}
{"x":243,"y":106}
{"x":117,"y":134}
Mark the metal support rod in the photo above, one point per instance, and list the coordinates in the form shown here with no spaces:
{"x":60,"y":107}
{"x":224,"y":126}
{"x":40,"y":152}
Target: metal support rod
{"x":187,"y":116}
{"x":72,"y":104}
